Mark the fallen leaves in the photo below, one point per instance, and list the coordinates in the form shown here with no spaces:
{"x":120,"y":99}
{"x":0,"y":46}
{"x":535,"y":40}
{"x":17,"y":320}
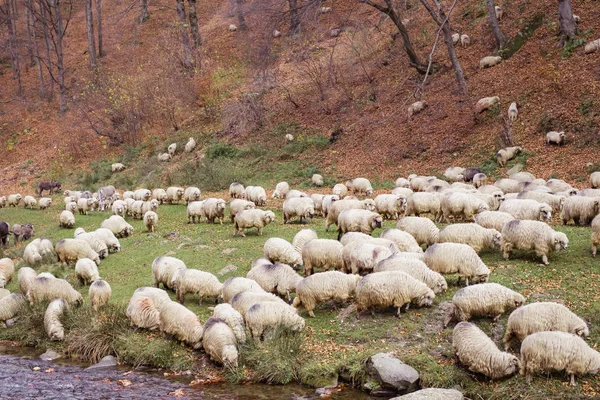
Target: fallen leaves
{"x":124,"y":382}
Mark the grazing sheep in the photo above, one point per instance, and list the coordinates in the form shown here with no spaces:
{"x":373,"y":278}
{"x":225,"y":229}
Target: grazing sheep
{"x":11,"y":306}
{"x":24,"y":278}
{"x":391,"y":288}
{"x":493,"y":219}
{"x":142,"y":308}
{"x":54,"y":328}
{"x":317,"y":180}
{"x":524,"y":209}
{"x":109,"y":238}
{"x":86,"y":205}
{"x":403,"y":240}
{"x":293,"y":193}
{"x":390,"y":206}
{"x":160,"y":195}
{"x":301,"y":207}
{"x":558,"y":351}
{"x":455,"y":174}
{"x":322,"y":253}
{"x":263,"y":319}
{"x":171,"y":149}
{"x":252,"y":219}
{"x":164,"y":157}
{"x":474,"y":235}
{"x":13,"y":200}
{"x":479,"y":179}
{"x":233,"y":286}
{"x":238,"y":205}
{"x":236,"y":190}
{"x":2,"y":201}
{"x":220,"y":343}
{"x":317,"y":199}
{"x":362,"y":257}
{"x":324,"y":286}
{"x":415,"y":268}
{"x":461,"y":205}
{"x":499,"y":12}
{"x":476,"y":351}
{"x":177,"y":320}
{"x":280,"y":250}
{"x":86,"y":271}
{"x":554,"y":137}
{"x":416,"y":107}
{"x":422,"y":229}
{"x":326,"y":203}
{"x":508,"y":153}
{"x":7,"y":270}
{"x":539,"y":317}
{"x":150,"y":221}
{"x":532,"y":235}
{"x":45,"y":202}
{"x":289,"y":137}
{"x":592,"y":46}
{"x":71,"y":250}
{"x":31,"y":254}
{"x":174,"y":194}
{"x":128,"y":195}
{"x":117,"y":167}
{"x":23,"y":232}
{"x":556,"y":202}
{"x":360,"y":186}
{"x":340,"y":190}
{"x":243,"y":301}
{"x":201,"y":283}
{"x":558,"y":185}
{"x":357,"y":220}
{"x":281,"y":190}
{"x":233,"y":28}
{"x":164,"y":269}
{"x":195,"y":210}
{"x":465,"y":40}
{"x":99,"y":294}
{"x":190,"y":145}
{"x":191,"y":194}
{"x":486,"y":102}
{"x":595,"y":234}
{"x":455,"y":38}
{"x":580,"y":210}
{"x":485,"y":299}
{"x":256,"y":194}
{"x":450,"y":258}
{"x":29,"y":202}
{"x":423,"y":203}
{"x":118,"y":226}
{"x":96,"y":242}
{"x":275,"y":278}
{"x":233,"y":319}
{"x":46,"y":289}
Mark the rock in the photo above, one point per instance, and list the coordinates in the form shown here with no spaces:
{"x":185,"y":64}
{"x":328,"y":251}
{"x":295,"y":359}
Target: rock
{"x":36,"y":369}
{"x":49,"y":355}
{"x":391,"y":375}
{"x":432,"y":394}
{"x":518,"y":167}
{"x":335,"y":32}
{"x":227,"y":269}
{"x":106,"y":362}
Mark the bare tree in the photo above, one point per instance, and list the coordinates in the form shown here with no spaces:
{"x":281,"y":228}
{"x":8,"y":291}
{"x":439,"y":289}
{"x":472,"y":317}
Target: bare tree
{"x":28,"y":19}
{"x":568,"y":28}
{"x":188,"y":59}
{"x":99,"y":19}
{"x":240,"y":15}
{"x":294,"y":17}
{"x":144,"y":15}
{"x":498,"y":36}
{"x":46,"y":24}
{"x":194,"y":23}
{"x":10,"y":17}
{"x":36,"y":50}
{"x":89,"y":22}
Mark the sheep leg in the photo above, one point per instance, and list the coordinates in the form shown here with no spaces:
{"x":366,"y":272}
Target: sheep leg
{"x":399,"y":313}
{"x":573,"y":380}
{"x":545,"y":259}
{"x":594,"y":248}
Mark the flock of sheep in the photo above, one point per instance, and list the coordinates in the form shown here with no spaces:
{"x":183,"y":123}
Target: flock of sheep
{"x":391,"y":270}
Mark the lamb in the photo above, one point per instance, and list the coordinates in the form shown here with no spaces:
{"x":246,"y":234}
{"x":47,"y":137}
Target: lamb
{"x":360,"y":186}
{"x":472,"y":234}
{"x":485,"y":299}
{"x":233,"y":319}
{"x":24,"y":278}
{"x":54,"y":328}
{"x":71,"y":250}
{"x":236,"y":190}
{"x":190,"y":145}
{"x":252,"y":219}
{"x":142,"y":308}
{"x":423,"y":203}
{"x":7,"y":270}
{"x":177,"y":320}
{"x":527,"y":209}
{"x":493,"y":219}
{"x":118,"y":226}
{"x":191,"y":193}
{"x":326,"y":203}
{"x":238,"y":205}
{"x":275,"y":278}
{"x":390,"y":206}
{"x":164,"y":269}
{"x":13,"y":200}
{"x":486,"y":102}
{"x":46,"y":289}
{"x":280,"y":250}
{"x":45,"y":202}
{"x":281,"y":190}
{"x":362,"y":257}
{"x":324,"y":286}
{"x":486,"y":62}
{"x":29,"y":202}
{"x":391,"y":288}
{"x":174,"y":194}
{"x":264,"y":318}
{"x":476,"y":351}
{"x":233,"y":286}
{"x":256,"y":194}
{"x":455,"y":204}
{"x":11,"y":306}
{"x":592,"y":46}
{"x":86,"y":205}
{"x":301,"y":207}
{"x":171,"y":149}
{"x":542,"y":316}
{"x":203,"y":284}
{"x":595,"y":234}
{"x":499,"y":12}
{"x":416,"y":107}
{"x":356,"y":220}
{"x":465,"y":40}
{"x":403,"y":240}
{"x":160,"y":195}
{"x":99,"y":294}
{"x":422,"y":229}
{"x":322,"y":253}
{"x":580,"y":210}
{"x":243,"y":301}
{"x":86,"y":271}
{"x":23,"y":232}
{"x":455,"y":174}
{"x":220,"y":343}
{"x":195,"y":210}
{"x":557,"y":351}
{"x":117,"y":167}
{"x":508,"y":153}
{"x":554,"y":137}
{"x":415,"y":268}
{"x":340,"y":190}
{"x":317,"y":180}
{"x":532,"y":235}
{"x":450,"y":258}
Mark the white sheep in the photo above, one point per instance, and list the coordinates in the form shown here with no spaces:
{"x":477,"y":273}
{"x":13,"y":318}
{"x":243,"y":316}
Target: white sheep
{"x":391,"y":288}
{"x":486,"y":102}
{"x":118,"y":226}
{"x":86,"y":205}
{"x":499,"y":12}
{"x":513,"y":112}
{"x":592,"y":46}
{"x":233,"y":286}
{"x":160,"y":195}
{"x":301,"y":207}
{"x":96,"y":242}
{"x":236,"y":190}
{"x":558,"y":185}
{"x":281,"y":190}
{"x":289,"y":137}
{"x":326,"y":203}
{"x":44,"y":288}
{"x":416,"y":107}
{"x":524,"y":209}
{"x":472,"y":234}
{"x":455,"y":38}
{"x":324,"y":286}
{"x":29,"y":202}
{"x":177,"y":320}
{"x":220,"y":343}
{"x":532,"y":235}
{"x":243,"y":301}
{"x":11,"y":306}
{"x":201,"y":283}
{"x":13,"y":200}
{"x":483,"y":300}
{"x":554,"y":137}
{"x":465,"y":40}
{"x":556,"y":202}
{"x":191,"y":193}
{"x":486,"y":62}
{"x":415,"y":268}
{"x":476,"y":351}
{"x":403,"y":240}
{"x":455,"y":174}
{"x":275,"y":278}
{"x":195,"y":210}
{"x":71,"y":250}
{"x":508,"y":185}
{"x":493,"y":219}
{"x":109,"y":238}
{"x":479,"y":179}
{"x":66,"y":219}
{"x":150,"y":221}
{"x":99,"y":294}
{"x":580,"y":210}
{"x":317,"y":180}
{"x":2,"y":201}
{"x":280,"y":250}
{"x":423,"y":203}
{"x":142,"y":309}
{"x":45,"y":202}
{"x":190,"y":145}
{"x":390,"y":206}
{"x":422,"y":229}
{"x":233,"y":319}
{"x":119,"y":207}
{"x":86,"y":271}
{"x":31,"y":254}
{"x":340,"y":190}
{"x":117,"y":167}
{"x":4,"y":293}
{"x":24,"y":278}
{"x":7,"y":270}
{"x":142,"y":194}
{"x":164,"y":269}
{"x":357,"y":220}
{"x":461,"y":205}
{"x":237,"y":205}
{"x":361,"y":257}
{"x":595,"y":234}
{"x":293,"y":193}
{"x":54,"y":328}
{"x":263,"y":319}
{"x":128,"y":194}
{"x":506,"y":154}
{"x":450,"y":258}
{"x":171,"y":149}
{"x":360,"y":186}
{"x":322,"y":253}
{"x":542,"y":316}
{"x":174,"y":194}
{"x":252,"y":219}
{"x":256,"y":194}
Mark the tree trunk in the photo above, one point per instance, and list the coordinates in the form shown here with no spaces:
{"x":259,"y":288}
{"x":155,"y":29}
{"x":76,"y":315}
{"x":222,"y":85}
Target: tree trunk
{"x":12,"y":44}
{"x":45,"y":20}
{"x":294,"y":17}
{"x":36,"y":49}
{"x":99,"y":19}
{"x":568,"y":28}
{"x":60,"y":33}
{"x":89,"y":21}
{"x":498,"y":36}
{"x":28,"y":18}
{"x":188,"y":60}
{"x":145,"y":15}
{"x":194,"y":23}
{"x":231,"y":10}
{"x":240,"y":15}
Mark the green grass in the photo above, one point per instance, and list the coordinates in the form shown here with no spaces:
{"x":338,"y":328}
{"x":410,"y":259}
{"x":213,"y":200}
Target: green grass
{"x":334,"y":342}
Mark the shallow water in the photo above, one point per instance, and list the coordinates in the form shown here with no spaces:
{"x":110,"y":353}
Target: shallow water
{"x":66,"y":380}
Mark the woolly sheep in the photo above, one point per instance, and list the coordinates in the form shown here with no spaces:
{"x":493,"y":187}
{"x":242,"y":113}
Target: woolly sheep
{"x":236,"y":190}
{"x":422,"y":229}
{"x":195,"y":210}
{"x":493,"y":219}
{"x":402,"y":183}
{"x":595,"y":179}
{"x":317,"y":199}
{"x":486,"y":102}
{"x":508,"y":185}
{"x":340,"y":190}
{"x":238,"y":205}
{"x":390,"y":206}
{"x":485,"y":299}
{"x":281,"y":190}
{"x":190,"y":145}
{"x":455,"y":174}
{"x":280,"y":250}
{"x":201,"y":283}
{"x":322,"y":253}
{"x":595,"y":234}
{"x":391,"y":288}
{"x":455,"y":38}
{"x":46,"y":289}
{"x":423,"y":203}
{"x":31,"y":254}
{"x":119,"y":207}
{"x":275,"y":278}
{"x":326,"y":203}
{"x":191,"y":194}
{"x":164,"y":269}
{"x":71,"y":206}
{"x":404,"y":240}
{"x":301,"y":207}
{"x":472,"y":234}
{"x":465,"y":40}
{"x":128,"y":194}
{"x":479,"y":180}
{"x":362,"y":257}
{"x":160,"y":195}
{"x":252,"y":219}
{"x":558,"y":185}
{"x":66,"y":219}
{"x":11,"y":306}
{"x":508,"y":153}
{"x":233,"y":319}
{"x":86,"y":205}
{"x":7,"y":270}
{"x":233,"y":286}
{"x":416,"y":107}
{"x":579,"y":209}
{"x":54,"y":328}
{"x":289,"y":137}
{"x":360,"y":186}
{"x":554,"y":137}
{"x":585,"y":192}
{"x":476,"y":351}
{"x":462,"y":205}
{"x":233,"y":28}
{"x":117,"y":167}
{"x":419,"y":183}
{"x":492,"y":200}
{"x":293,"y":193}
{"x":524,"y":209}
{"x":177,"y":320}
{"x":4,"y":293}
{"x":264,"y":318}
{"x":415,"y":268}
{"x":96,"y":242}
{"x":499,"y":12}
{"x":357,"y":220}
{"x":24,"y":278}
{"x":13,"y":200}
{"x":592,"y":46}
{"x":109,"y":238}
{"x":556,"y":202}
{"x":86,"y":271}
{"x":317,"y":180}
{"x":171,"y":149}
{"x":174,"y":194}
{"x":150,"y":221}
{"x":118,"y":226}
{"x":450,"y":258}
{"x":256,"y":194}
{"x":99,"y":294}
{"x":243,"y":301}
{"x":29,"y":202}
{"x":71,"y":250}
{"x":142,"y":308}
{"x":542,"y":316}
{"x":532,"y":235}
{"x":220,"y":343}
{"x":513,"y":112}
{"x":324,"y":286}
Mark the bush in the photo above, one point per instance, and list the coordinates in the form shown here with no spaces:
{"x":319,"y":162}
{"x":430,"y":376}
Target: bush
{"x":243,"y":115}
{"x":211,"y":175}
{"x":144,"y":348}
{"x":221,"y":150}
